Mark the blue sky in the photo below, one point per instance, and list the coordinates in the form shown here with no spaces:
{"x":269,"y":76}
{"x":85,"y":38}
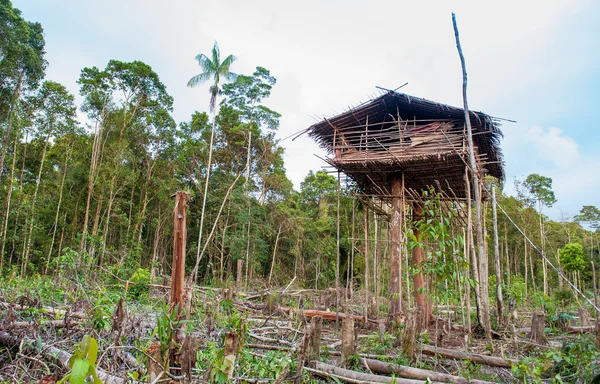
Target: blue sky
{"x":536,"y":62}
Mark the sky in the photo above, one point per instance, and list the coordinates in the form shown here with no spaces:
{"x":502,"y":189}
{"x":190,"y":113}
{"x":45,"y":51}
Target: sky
{"x":535,"y":62}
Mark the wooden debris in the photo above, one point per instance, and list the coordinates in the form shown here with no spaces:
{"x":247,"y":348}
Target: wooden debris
{"x":493,"y":361}
{"x":350,"y":376}
{"x":415,"y":373}
{"x":52,"y":352}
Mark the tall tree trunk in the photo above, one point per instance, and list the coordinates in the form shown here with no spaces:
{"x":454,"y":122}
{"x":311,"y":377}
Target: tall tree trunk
{"x":543,"y":243}
{"x":11,"y":113}
{"x":92,"y":177}
{"x":8,"y":201}
{"x":485,"y":301}
{"x":58,"y":205}
{"x":249,"y":204}
{"x":33,"y":201}
{"x":111,"y":199}
{"x":274,"y":252}
{"x":207,"y":179}
{"x":20,"y":200}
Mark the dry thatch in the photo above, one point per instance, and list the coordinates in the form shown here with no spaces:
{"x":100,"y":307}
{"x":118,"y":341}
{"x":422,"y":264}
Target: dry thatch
{"x":397,"y":133}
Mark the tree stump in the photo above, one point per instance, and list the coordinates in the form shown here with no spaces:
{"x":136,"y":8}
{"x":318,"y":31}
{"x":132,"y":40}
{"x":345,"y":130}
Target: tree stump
{"x":314,"y":343}
{"x":348,"y":341}
{"x":231,"y":349}
{"x":409,"y":342}
{"x":302,"y":353}
{"x":538,"y":322}
{"x":155,"y":361}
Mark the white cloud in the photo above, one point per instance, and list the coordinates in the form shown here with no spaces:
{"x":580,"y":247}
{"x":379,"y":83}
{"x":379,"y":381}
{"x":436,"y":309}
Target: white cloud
{"x":553,"y":153}
{"x":552,"y":145}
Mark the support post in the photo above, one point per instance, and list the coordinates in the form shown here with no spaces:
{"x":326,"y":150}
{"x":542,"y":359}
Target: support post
{"x":395,"y":249}
{"x":423,"y":310}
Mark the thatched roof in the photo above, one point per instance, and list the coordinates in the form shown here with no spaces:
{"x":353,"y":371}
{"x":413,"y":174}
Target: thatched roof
{"x":397,"y":132}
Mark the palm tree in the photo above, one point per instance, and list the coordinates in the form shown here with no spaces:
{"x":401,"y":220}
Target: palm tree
{"x":215,"y":69}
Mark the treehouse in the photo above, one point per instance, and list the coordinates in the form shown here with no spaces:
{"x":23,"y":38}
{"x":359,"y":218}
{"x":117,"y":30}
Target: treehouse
{"x":395,"y":147}
{"x":397,"y":134}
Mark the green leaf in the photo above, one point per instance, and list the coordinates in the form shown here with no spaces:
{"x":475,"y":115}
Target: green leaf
{"x":79,"y":371}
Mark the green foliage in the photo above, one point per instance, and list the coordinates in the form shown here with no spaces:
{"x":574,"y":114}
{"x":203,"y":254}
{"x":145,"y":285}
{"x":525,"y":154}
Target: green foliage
{"x":573,"y":363}
{"x":589,"y":214}
{"x":443,"y":249}
{"x":83,"y":362}
{"x":140,"y":280}
{"x":572,"y":257}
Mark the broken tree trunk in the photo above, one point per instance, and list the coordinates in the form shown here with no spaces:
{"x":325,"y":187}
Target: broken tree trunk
{"x":349,"y":376}
{"x":302,"y":354}
{"x":326,"y":315}
{"x":409,"y":342}
{"x":314,"y":344}
{"x":179,"y":239}
{"x":155,"y":362}
{"x":52,"y":352}
{"x":232,"y":343}
{"x":493,"y":361}
{"x":348,"y":341}
{"x":538,"y":323}
{"x":415,"y":373}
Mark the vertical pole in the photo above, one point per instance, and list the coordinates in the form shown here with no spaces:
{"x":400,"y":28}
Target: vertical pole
{"x":337,"y":248}
{"x":395,"y":249}
{"x":179,"y":240}
{"x":418,"y":278}
{"x":367,"y":270}
{"x":497,"y":257}
{"x":483,"y":275}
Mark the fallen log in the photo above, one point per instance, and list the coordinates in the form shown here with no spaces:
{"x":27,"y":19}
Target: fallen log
{"x":581,"y":329}
{"x":61,"y":356}
{"x":350,"y":376}
{"x":326,"y":315}
{"x":54,"y":323}
{"x":48,"y":310}
{"x":493,"y":361}
{"x":415,"y":373}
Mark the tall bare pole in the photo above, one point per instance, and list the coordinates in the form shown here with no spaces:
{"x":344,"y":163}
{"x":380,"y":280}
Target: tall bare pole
{"x":483,"y":261}
{"x":499,"y":298}
{"x":337,"y":247}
